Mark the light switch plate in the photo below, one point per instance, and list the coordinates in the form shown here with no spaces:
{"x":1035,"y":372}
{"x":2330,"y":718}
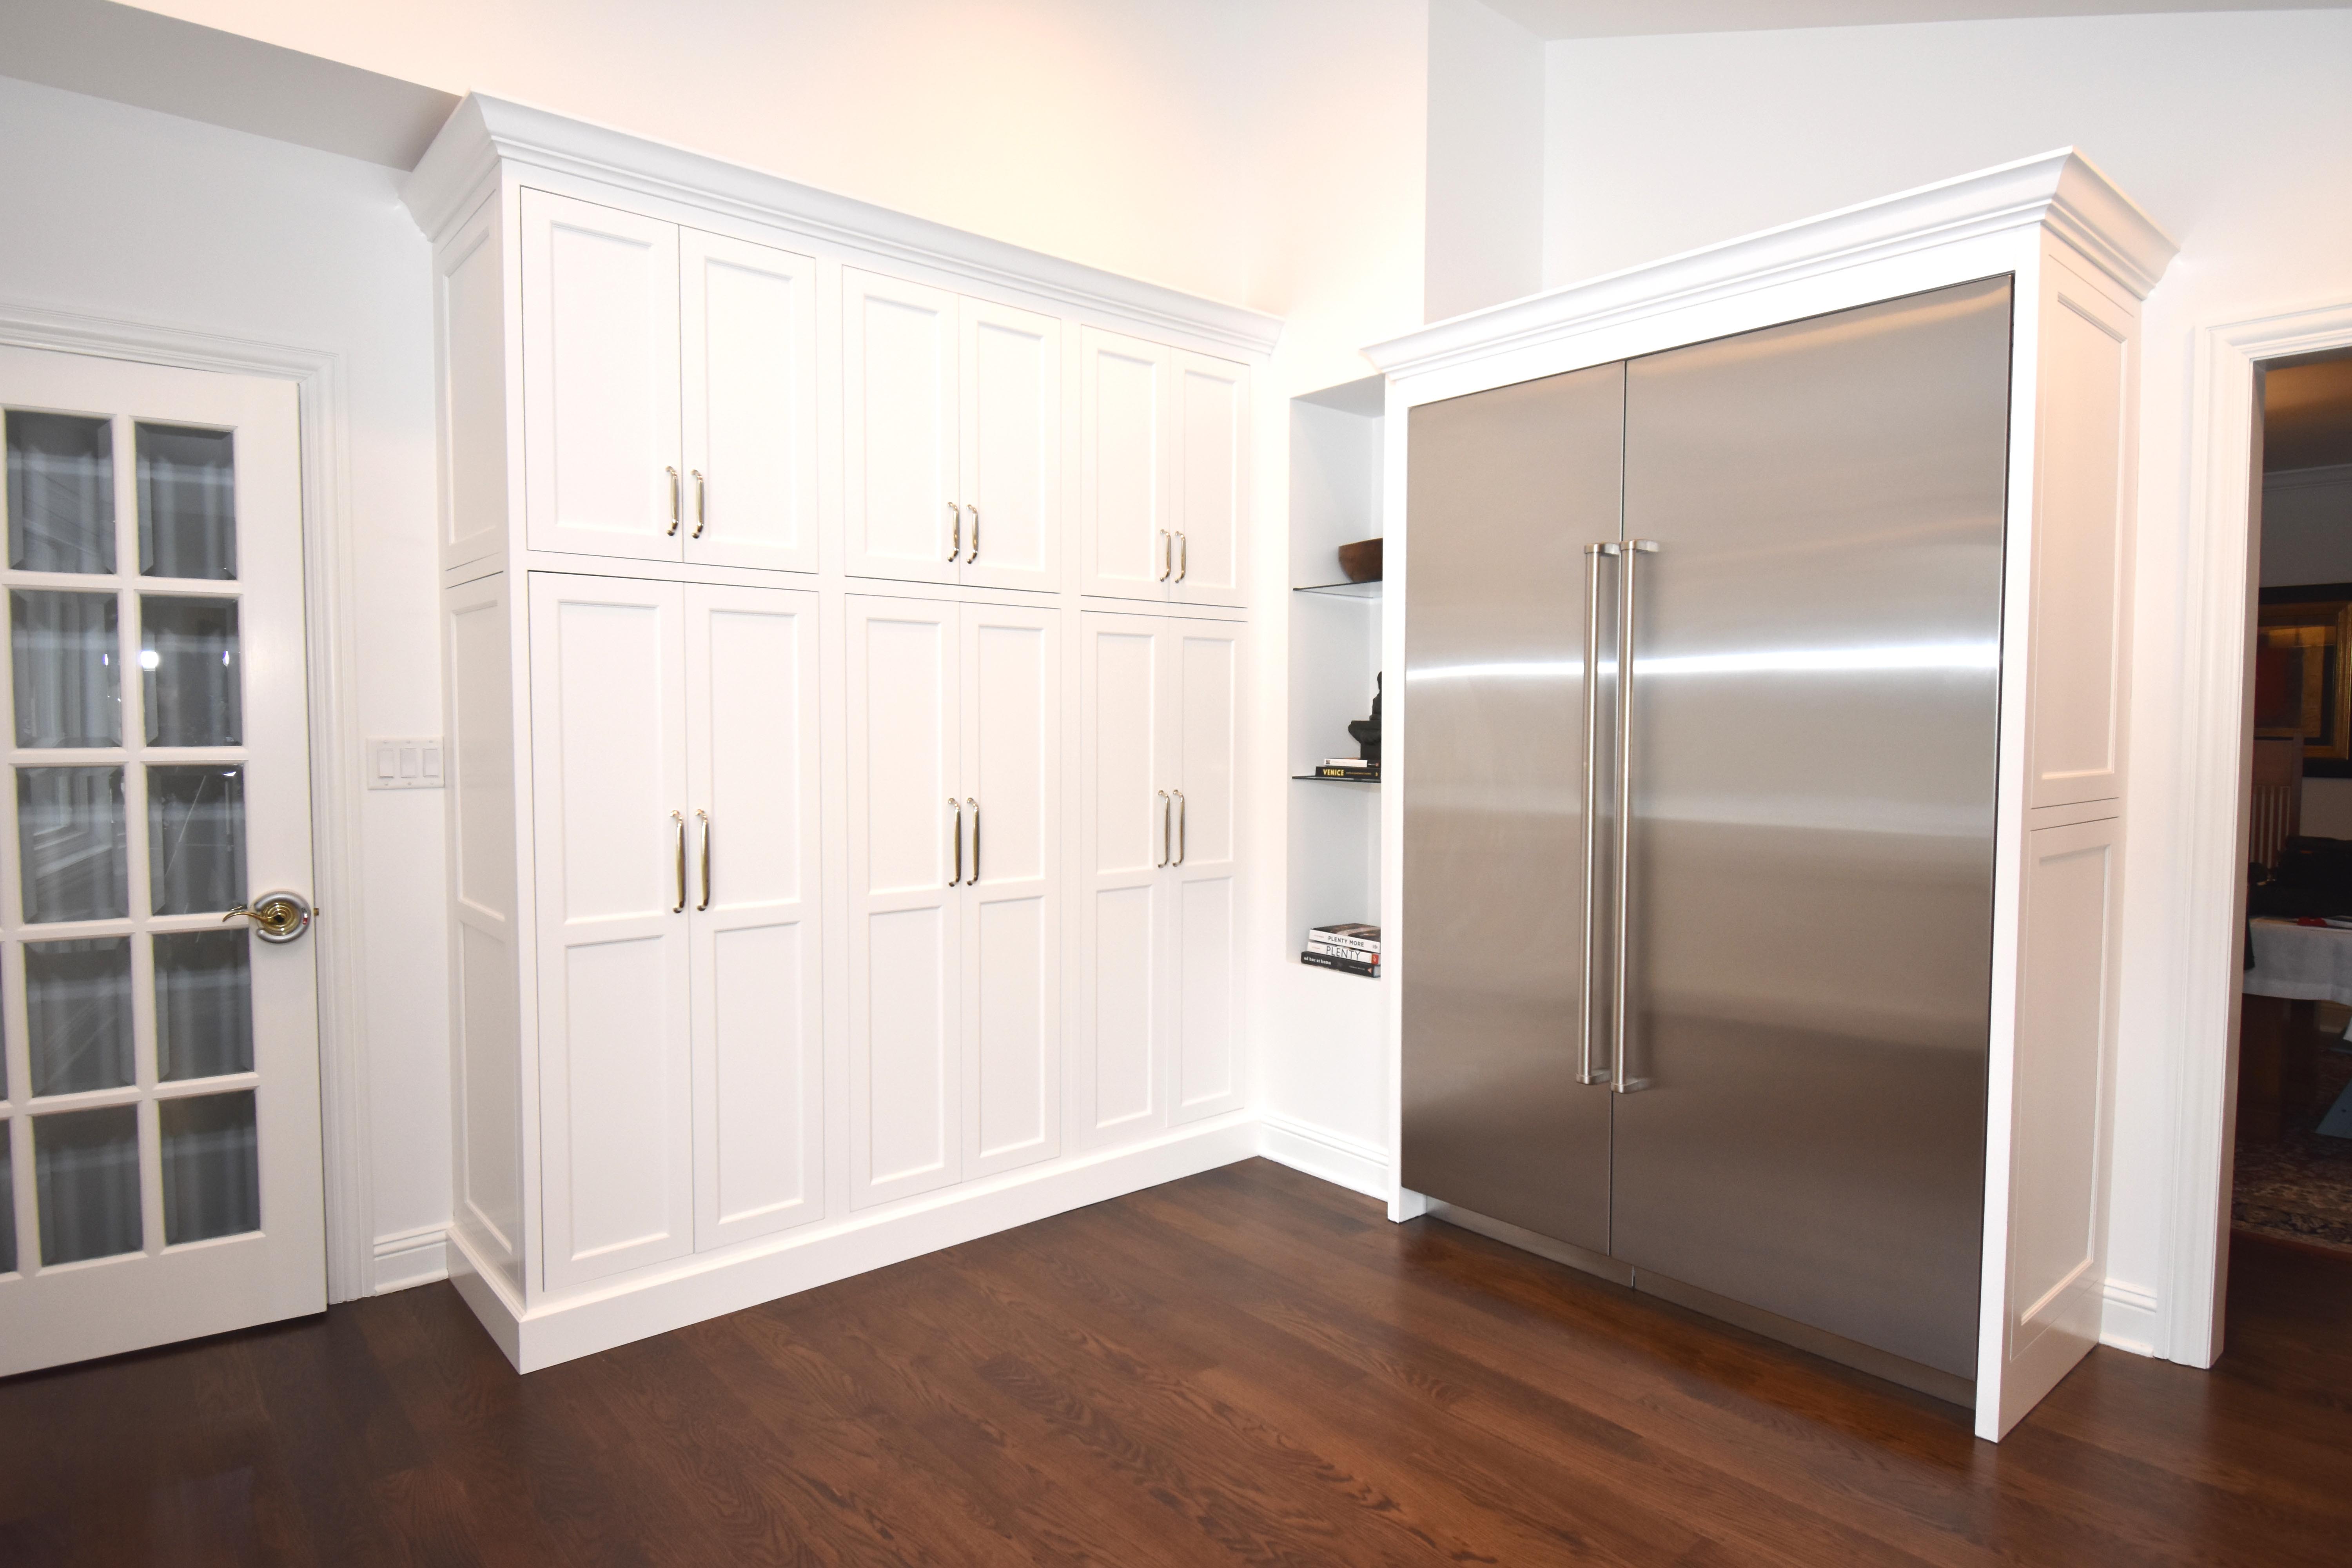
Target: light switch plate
{"x":409,"y":763}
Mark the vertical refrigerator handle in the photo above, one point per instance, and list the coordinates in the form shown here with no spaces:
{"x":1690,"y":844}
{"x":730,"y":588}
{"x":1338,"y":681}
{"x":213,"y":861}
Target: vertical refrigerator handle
{"x":1630,"y":550}
{"x":1586,"y":1072}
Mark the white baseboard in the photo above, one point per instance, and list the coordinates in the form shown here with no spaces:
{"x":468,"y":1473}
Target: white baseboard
{"x":551,"y":1333}
{"x":2128,"y":1319}
{"x":1342,"y":1161}
{"x":408,"y":1258}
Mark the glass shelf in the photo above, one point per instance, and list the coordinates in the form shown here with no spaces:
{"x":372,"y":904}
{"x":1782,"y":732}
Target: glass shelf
{"x":1326,"y":778}
{"x":1371,"y":590}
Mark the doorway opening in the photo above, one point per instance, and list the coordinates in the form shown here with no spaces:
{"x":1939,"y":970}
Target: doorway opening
{"x":2292,"y":1164}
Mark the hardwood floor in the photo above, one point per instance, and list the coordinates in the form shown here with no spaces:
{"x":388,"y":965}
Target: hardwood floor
{"x":1249,"y":1366}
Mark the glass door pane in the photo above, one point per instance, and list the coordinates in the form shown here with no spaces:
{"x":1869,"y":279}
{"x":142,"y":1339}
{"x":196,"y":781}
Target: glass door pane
{"x":86,"y":1163}
{"x":60,"y":492}
{"x":77,"y":1014}
{"x":70,"y":836}
{"x":187,"y":502}
{"x":204,"y":1003}
{"x":212,"y":1169}
{"x":195,"y":838}
{"x":67,"y":677}
{"x":188,"y":664}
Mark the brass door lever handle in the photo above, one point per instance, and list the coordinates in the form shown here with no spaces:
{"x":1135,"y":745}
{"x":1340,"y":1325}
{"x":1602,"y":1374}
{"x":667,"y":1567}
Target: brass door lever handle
{"x":276,"y":917}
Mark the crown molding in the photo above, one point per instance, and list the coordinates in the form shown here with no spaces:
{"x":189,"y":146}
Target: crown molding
{"x":2062,"y":191}
{"x":462,"y":167}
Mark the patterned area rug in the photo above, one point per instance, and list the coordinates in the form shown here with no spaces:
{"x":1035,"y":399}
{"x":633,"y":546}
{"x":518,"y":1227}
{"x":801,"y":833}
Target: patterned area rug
{"x":2301,"y":1186}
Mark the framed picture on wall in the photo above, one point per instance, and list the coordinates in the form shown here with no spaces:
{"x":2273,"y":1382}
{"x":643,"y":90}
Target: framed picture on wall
{"x":2300,"y":691}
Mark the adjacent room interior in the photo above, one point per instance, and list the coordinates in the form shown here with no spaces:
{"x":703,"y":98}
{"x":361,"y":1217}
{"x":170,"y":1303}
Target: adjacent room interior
{"x":1330,"y":782}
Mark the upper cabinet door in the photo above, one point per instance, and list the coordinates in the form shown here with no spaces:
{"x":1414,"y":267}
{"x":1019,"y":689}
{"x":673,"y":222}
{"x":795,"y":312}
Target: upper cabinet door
{"x":1125,"y":534}
{"x":751,"y":746}
{"x":602,"y":471}
{"x":899,"y":415}
{"x":1211,"y":474}
{"x":1012,"y":448}
{"x":748,"y":316}
{"x":1205,"y":924}
{"x":608,"y":758}
{"x":908,"y":861}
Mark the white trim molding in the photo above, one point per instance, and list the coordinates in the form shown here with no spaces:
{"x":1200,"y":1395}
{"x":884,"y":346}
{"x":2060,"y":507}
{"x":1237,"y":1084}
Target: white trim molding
{"x":335,"y":784}
{"x":409,"y":1258}
{"x":2210,"y":757}
{"x":2061,"y":190}
{"x":1329,"y":1156}
{"x":2128,"y":1320}
{"x":462,"y":167}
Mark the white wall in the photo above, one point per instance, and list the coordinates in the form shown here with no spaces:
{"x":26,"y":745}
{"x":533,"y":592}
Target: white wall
{"x":1485,"y":159}
{"x":2233,"y":130}
{"x":2307,"y":527}
{"x":119,"y":213}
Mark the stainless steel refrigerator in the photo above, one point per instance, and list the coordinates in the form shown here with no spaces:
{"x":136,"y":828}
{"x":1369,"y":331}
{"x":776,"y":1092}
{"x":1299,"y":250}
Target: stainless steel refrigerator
{"x":1701,"y":665}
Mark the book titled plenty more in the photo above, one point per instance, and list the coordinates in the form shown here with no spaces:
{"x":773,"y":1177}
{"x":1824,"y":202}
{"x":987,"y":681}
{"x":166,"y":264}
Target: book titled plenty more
{"x":1364,"y":939}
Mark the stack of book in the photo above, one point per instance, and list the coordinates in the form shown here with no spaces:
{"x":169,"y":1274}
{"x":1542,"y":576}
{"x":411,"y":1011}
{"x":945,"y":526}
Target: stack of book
{"x":1348,"y":768}
{"x":1353,"y":948}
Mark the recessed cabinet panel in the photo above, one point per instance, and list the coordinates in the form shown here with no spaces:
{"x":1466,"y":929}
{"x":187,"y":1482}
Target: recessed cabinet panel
{"x":752,"y":684}
{"x":1125,"y":531}
{"x":602,"y":461}
{"x":470,"y":297}
{"x":907,"y":858}
{"x":1203,"y":862}
{"x":1012,"y":446}
{"x":608,"y":718}
{"x":749,"y":344}
{"x":1126,"y":816}
{"x":1211,"y":469}
{"x":1011,"y":684}
{"x":898,"y":428}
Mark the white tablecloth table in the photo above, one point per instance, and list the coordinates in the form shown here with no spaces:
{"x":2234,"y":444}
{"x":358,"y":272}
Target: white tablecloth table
{"x":2302,"y":964}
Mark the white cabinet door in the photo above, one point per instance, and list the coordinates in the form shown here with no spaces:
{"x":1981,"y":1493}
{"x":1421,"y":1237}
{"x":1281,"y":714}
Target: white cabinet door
{"x":1210,"y":465}
{"x":602,"y":471}
{"x":748,"y":315}
{"x":1126,"y":814}
{"x":899,"y":411}
{"x":1125,"y":531}
{"x":1012,"y":446}
{"x":608,"y":762}
{"x":906,"y":850}
{"x":1011,"y":901}
{"x":1205,"y":936}
{"x":751,"y":742}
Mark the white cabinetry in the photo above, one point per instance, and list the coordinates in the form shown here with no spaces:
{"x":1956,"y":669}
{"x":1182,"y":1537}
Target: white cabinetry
{"x":1157,"y":950}
{"x":674,"y":743}
{"x":669,"y":390}
{"x":954,"y":779}
{"x":1164,"y":439}
{"x":951,"y":414}
{"x":759,"y":970}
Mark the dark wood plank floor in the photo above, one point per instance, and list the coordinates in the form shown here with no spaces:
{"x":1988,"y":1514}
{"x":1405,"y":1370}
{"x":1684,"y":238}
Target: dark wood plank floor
{"x":1249,"y":1366}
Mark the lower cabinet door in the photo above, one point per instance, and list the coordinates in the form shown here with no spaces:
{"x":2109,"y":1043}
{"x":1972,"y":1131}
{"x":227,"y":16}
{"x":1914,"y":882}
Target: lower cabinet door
{"x":908,"y":832}
{"x":1125,"y":819}
{"x":751,"y":748}
{"x":1205,"y":926}
{"x":1012,"y":897}
{"x":608,"y":759}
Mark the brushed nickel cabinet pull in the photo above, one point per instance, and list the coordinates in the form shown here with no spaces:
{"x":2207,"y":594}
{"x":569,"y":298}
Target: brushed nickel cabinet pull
{"x":975,"y":841}
{"x":957,"y":833}
{"x":704,"y":818}
{"x":973,"y":552}
{"x":674,"y":518}
{"x":955,"y":536}
{"x":701,"y":503}
{"x":1164,"y":839}
{"x":679,"y":907}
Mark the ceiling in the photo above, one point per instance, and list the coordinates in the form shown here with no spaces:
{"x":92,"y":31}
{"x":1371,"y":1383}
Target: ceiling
{"x":1626,"y":18}
{"x":2307,"y":414}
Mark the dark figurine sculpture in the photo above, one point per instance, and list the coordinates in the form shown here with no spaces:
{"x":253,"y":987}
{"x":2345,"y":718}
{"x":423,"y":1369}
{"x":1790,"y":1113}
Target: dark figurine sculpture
{"x":1367,"y":731}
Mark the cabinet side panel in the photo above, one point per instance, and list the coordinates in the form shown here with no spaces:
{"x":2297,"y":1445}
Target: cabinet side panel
{"x":469,"y":312}
{"x":2080,"y":617}
{"x":2066,"y":1028}
{"x":485,"y":1024}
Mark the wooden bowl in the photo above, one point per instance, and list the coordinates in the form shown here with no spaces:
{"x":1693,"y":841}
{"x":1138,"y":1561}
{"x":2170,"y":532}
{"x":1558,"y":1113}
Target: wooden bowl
{"x":1361,"y":561}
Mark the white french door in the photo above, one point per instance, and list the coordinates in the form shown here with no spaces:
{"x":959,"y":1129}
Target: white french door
{"x":159,"y":1076}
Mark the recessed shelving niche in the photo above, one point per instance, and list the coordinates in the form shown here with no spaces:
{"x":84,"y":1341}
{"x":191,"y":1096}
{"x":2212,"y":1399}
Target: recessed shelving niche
{"x":1335,"y":655}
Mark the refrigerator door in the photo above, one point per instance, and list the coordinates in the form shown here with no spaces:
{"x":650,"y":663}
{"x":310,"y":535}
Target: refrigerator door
{"x":1814,"y":690}
{"x":1506,"y":488}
